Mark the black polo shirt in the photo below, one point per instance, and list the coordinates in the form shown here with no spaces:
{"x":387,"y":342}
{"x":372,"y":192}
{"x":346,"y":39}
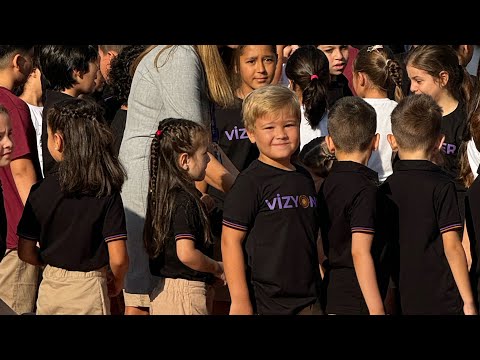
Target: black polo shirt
{"x":276,"y":208}
{"x":453,"y":127}
{"x":472,"y":217}
{"x":347,"y":203}
{"x":73,"y":231}
{"x":233,"y":140}
{"x":185,"y":224}
{"x":423,"y":205}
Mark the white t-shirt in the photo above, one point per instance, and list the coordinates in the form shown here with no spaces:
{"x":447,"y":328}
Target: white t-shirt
{"x":307,"y":134}
{"x":36,"y":114}
{"x":473,"y":157}
{"x":381,"y":160}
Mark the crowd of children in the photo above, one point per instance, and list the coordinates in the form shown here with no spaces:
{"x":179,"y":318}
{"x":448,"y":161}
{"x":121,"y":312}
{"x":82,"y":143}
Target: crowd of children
{"x":284,"y":194}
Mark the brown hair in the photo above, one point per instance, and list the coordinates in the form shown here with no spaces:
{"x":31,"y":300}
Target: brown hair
{"x":434,"y":59}
{"x":381,"y":68}
{"x":352,"y":123}
{"x":316,"y":156}
{"x":416,"y":122}
{"x":174,"y":137}
{"x":89,"y":166}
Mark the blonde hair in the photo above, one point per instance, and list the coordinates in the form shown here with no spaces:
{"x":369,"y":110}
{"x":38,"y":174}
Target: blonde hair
{"x":219,"y":87}
{"x":220,"y":90}
{"x":270,"y":99}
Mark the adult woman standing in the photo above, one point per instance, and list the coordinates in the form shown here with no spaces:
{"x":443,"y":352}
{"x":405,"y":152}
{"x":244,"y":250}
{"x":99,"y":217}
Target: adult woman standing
{"x":172,"y":81}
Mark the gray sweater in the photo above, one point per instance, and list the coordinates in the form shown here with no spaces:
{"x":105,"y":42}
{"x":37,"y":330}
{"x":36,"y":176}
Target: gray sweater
{"x":175,"y":88}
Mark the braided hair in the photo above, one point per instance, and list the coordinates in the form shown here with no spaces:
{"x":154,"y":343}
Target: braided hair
{"x":89,"y":165}
{"x":173,"y":137}
{"x":384,"y":72}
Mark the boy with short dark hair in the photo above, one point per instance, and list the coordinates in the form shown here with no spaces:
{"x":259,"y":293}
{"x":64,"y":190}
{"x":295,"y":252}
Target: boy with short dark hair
{"x":269,"y":215}
{"x":71,"y":71}
{"x":432,"y":269}
{"x":347,"y":206}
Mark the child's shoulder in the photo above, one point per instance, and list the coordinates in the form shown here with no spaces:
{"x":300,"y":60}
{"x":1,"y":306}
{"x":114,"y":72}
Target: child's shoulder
{"x":302,"y":170}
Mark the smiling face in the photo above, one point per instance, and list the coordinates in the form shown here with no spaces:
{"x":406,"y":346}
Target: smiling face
{"x":277,"y":137}
{"x":6,"y":144}
{"x":256,"y":67}
{"x":424,"y":83}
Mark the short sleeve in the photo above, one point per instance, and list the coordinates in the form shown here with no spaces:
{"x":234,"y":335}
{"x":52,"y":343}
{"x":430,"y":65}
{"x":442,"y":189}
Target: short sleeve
{"x":241,"y":204}
{"x":446,"y":208}
{"x":28,"y":228}
{"x":114,"y":227}
{"x":363,"y":211}
{"x":184,"y":219}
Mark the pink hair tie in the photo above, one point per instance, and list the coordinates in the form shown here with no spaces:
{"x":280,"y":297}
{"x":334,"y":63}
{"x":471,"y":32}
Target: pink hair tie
{"x":159,"y":132}
{"x":313,"y":77}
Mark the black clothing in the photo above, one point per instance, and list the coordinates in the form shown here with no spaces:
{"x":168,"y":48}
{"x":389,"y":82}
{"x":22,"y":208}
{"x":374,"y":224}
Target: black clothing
{"x":73,"y":230}
{"x":423,"y":206}
{"x":276,"y":209}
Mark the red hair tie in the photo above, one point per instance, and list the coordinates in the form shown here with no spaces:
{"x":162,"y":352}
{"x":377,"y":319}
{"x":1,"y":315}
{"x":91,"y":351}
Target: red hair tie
{"x":159,"y":132}
{"x":313,"y":77}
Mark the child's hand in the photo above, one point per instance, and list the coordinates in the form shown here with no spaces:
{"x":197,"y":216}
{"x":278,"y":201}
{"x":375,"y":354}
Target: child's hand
{"x":241,"y":308}
{"x":208,"y":202}
{"x":114,"y":286}
{"x":220,"y":279}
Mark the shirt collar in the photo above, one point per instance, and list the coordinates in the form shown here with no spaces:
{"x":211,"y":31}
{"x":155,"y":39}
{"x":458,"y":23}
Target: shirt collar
{"x":426,"y":165}
{"x":352,"y":166}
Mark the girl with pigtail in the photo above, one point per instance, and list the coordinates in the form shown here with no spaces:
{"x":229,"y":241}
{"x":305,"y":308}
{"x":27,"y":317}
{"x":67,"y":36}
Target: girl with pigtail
{"x":307,"y":70}
{"x":375,"y":72}
{"x":177,"y":234}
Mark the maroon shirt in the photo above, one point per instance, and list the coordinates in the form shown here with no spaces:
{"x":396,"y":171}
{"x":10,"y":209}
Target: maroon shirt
{"x":24,"y":143}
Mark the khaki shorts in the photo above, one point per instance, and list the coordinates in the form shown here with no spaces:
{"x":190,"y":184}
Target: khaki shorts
{"x":181,"y":297}
{"x":64,"y":292}
{"x":136,"y":300}
{"x":18,"y":283}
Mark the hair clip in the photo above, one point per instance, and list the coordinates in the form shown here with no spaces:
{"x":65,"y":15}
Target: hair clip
{"x":158,"y":133}
{"x":374,"y":47}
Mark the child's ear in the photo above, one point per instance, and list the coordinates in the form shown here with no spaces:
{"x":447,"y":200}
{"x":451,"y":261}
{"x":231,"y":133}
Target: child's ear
{"x":16,"y":60}
{"x":251,"y":136}
{"x":77,"y":75}
{"x":330,"y":144}
{"x":183,"y":161}
{"x":362,"y":78}
{"x":440,"y":141}
{"x":443,"y":76}
{"x":393,"y":142}
{"x":58,"y":141}
{"x":375,"y":142}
